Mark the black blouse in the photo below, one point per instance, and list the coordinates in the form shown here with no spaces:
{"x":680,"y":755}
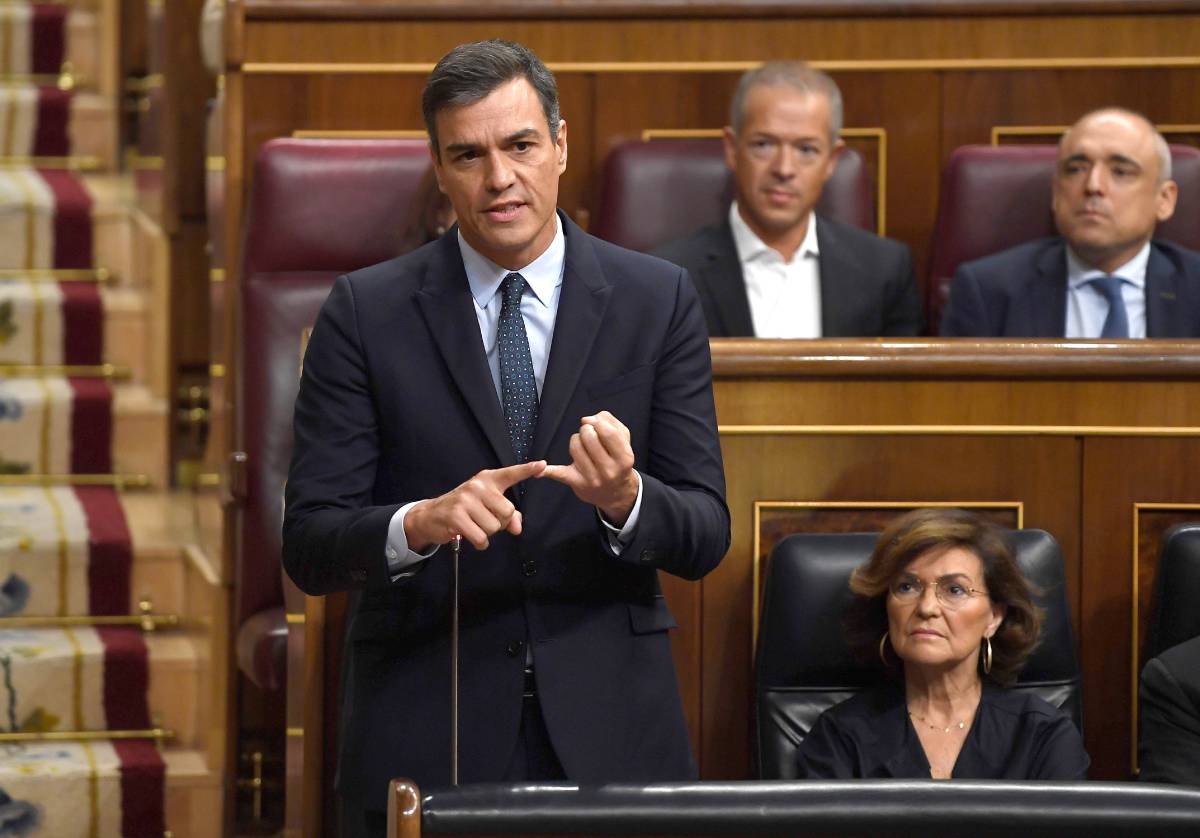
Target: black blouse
{"x":1015,"y":736}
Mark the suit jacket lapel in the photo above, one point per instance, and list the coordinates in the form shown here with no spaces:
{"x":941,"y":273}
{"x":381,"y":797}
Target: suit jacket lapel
{"x":1161,"y":297}
{"x":722,"y":274}
{"x":445,"y":301}
{"x":581,"y":306}
{"x":1048,"y":293}
{"x":838,"y":269}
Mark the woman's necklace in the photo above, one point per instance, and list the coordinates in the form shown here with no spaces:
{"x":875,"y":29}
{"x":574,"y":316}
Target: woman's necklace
{"x":931,"y":726}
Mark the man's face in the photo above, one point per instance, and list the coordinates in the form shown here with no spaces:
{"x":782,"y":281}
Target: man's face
{"x":500,"y":169}
{"x":781,"y":159}
{"x":1107,"y":197}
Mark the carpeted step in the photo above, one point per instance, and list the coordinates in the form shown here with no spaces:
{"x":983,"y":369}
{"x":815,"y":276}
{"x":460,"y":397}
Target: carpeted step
{"x":34,"y":38}
{"x":73,"y":679}
{"x":83,"y":790}
{"x":48,"y":322}
{"x":56,"y":425}
{"x":45,"y":219}
{"x":63,"y":551}
{"x":34,"y":121}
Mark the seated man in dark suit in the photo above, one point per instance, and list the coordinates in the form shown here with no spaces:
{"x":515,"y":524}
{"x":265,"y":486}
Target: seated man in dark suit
{"x":1102,"y":277}
{"x":1169,"y":744}
{"x":773,"y":269}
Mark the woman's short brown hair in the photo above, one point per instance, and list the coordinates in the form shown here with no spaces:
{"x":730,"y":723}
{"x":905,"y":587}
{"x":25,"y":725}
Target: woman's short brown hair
{"x":921,"y":531}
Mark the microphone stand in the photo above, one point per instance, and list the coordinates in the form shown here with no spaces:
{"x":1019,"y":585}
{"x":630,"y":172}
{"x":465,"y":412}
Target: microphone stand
{"x":455,"y":551}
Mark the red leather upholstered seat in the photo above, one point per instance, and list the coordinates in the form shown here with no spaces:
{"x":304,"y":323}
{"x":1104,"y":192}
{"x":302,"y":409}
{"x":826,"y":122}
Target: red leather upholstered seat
{"x":318,"y":208}
{"x":996,"y":197}
{"x":654,"y":191}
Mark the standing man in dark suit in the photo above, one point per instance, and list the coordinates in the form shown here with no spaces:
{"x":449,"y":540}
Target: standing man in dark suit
{"x":1102,"y":277}
{"x":1169,"y":741}
{"x":773,"y":268}
{"x":437,"y":387}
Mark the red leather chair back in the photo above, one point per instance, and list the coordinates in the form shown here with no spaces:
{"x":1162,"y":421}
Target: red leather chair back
{"x":996,"y":197}
{"x":318,"y":208}
{"x":657,"y":190}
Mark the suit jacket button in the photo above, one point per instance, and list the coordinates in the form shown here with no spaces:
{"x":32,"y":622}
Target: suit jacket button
{"x":513,"y":648}
{"x":649,"y":556}
{"x":530,"y":567}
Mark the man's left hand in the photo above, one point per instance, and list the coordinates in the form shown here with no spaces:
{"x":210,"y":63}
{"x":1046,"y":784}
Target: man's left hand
{"x":601,"y":469}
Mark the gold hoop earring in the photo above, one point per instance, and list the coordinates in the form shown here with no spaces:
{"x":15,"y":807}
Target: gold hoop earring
{"x":987,"y":656}
{"x":882,"y":652}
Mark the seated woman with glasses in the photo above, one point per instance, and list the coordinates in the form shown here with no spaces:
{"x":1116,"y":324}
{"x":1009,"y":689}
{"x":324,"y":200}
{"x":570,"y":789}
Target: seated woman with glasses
{"x":947,"y":610}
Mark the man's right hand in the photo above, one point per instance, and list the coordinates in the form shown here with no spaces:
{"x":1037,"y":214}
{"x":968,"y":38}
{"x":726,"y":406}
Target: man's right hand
{"x":475,"y":509}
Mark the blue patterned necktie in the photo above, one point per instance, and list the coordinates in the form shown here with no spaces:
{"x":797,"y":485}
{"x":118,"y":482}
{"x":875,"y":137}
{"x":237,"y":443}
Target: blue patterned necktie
{"x":518,"y":389}
{"x":1116,"y":324}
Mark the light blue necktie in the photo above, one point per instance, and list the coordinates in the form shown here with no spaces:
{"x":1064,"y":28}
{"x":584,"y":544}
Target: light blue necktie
{"x":518,"y":388}
{"x":1116,"y":324}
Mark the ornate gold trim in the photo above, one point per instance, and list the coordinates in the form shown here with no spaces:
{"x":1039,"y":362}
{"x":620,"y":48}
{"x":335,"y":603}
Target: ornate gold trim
{"x":649,"y":134}
{"x":216,"y":370}
{"x":156,"y":733}
{"x":112,"y":372}
{"x":1001,"y":131}
{"x":295,"y":732}
{"x":64,"y":564}
{"x":96,"y":275}
{"x":1134,"y":673}
{"x":10,"y":111}
{"x":150,"y":81}
{"x":79,"y":163}
{"x":295,"y":619}
{"x":207,"y":480}
{"x":216,"y":274}
{"x":119,"y":481}
{"x":63,"y":80}
{"x":76,"y":661}
{"x":146,"y":162}
{"x":878,"y":134}
{"x":251,"y":68}
{"x":148,"y":622}
{"x":93,"y":780}
{"x":956,"y":430}
{"x":214,"y":163}
{"x":397,"y":134}
{"x":760,"y":505}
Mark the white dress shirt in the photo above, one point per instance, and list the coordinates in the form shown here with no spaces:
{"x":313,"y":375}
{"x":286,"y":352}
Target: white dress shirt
{"x":1087,"y":307}
{"x":539,"y":309}
{"x":785,"y":297}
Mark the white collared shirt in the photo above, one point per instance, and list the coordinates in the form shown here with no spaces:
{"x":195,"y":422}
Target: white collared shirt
{"x":1087,"y":307}
{"x":785,"y":297}
{"x":539,"y":305}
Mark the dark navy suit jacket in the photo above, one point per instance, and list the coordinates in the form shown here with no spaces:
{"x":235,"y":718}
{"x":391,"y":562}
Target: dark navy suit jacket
{"x":1022,"y":292}
{"x":396,"y":404}
{"x":1169,"y":745}
{"x":867,"y":283}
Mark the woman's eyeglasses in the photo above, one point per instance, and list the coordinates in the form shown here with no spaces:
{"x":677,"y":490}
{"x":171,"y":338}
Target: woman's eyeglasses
{"x":952,"y":591}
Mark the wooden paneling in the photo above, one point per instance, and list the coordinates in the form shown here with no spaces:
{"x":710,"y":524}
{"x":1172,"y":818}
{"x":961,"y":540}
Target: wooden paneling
{"x":975,"y":102}
{"x":1039,"y":472}
{"x":741,"y":37}
{"x":1075,"y":438}
{"x":1076,"y":442}
{"x":1118,"y":475}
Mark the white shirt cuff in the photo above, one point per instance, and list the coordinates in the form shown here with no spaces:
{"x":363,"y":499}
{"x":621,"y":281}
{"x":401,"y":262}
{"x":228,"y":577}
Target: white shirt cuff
{"x":619,"y":537}
{"x":401,"y":561}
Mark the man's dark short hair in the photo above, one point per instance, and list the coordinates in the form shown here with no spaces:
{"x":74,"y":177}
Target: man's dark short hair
{"x":470,"y":72}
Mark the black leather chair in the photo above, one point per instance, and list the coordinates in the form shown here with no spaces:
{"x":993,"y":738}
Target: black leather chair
{"x":1175,"y":614}
{"x":804,"y":665}
{"x":813,"y":808}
